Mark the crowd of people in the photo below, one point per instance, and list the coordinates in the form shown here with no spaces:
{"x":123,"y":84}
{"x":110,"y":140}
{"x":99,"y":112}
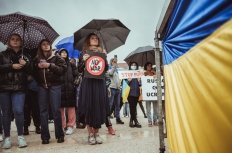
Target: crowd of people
{"x":39,"y":84}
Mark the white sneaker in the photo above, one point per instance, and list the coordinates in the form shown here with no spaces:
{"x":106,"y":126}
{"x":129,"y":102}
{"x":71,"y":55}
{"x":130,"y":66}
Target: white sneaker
{"x":6,"y":143}
{"x":22,"y":142}
{"x":69,"y":131}
{"x":1,"y":137}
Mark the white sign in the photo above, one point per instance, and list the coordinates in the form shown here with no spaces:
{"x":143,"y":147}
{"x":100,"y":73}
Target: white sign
{"x":130,"y":74}
{"x":149,"y":87}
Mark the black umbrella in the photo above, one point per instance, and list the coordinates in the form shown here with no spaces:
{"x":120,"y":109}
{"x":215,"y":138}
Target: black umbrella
{"x":31,"y":29}
{"x":111,"y":32}
{"x":142,"y":55}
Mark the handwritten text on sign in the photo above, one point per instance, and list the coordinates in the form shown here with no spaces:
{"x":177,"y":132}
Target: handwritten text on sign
{"x":130,"y":74}
{"x":149,"y":88}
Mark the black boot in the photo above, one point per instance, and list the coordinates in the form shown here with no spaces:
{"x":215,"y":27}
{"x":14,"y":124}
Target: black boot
{"x":37,"y":130}
{"x":131,"y":123}
{"x":137,"y":124}
{"x":119,"y":121}
{"x":25,"y":131}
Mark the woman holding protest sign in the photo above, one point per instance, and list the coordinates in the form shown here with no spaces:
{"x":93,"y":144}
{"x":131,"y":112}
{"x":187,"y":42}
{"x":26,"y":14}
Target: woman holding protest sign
{"x":92,"y":97}
{"x":150,"y":72}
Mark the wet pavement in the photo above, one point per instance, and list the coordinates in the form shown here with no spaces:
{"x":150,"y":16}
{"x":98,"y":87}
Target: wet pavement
{"x":126,"y":140}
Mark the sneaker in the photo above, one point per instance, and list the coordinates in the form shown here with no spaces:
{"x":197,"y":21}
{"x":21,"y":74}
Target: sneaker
{"x":150,"y":124}
{"x":6,"y":143}
{"x":69,"y":131}
{"x":155,"y":123}
{"x":98,"y":138}
{"x":1,"y":137}
{"x":91,"y":139}
{"x":111,"y":130}
{"x":21,"y":142}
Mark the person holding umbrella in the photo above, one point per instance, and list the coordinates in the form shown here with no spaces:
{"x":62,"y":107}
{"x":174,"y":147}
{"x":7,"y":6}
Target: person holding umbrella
{"x":48,"y":72}
{"x":92,"y":97}
{"x":13,"y":75}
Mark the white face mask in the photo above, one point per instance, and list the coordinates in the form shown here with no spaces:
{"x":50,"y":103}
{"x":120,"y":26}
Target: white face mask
{"x":133,"y":67}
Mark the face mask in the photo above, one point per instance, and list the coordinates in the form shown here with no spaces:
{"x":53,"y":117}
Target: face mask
{"x":133,"y":67}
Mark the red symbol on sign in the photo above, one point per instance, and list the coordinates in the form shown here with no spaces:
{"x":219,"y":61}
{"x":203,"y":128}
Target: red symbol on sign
{"x":95,"y":65}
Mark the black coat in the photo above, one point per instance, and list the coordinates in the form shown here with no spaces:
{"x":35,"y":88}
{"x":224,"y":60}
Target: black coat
{"x":11,"y":79}
{"x":51,"y":76}
{"x":68,"y":90}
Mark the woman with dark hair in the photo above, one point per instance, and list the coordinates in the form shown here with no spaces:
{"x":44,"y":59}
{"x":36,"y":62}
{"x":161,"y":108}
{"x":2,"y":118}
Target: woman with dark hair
{"x":133,"y":97}
{"x":68,"y":94}
{"x":49,"y":70}
{"x":92,"y":102}
{"x":151,"y":120}
{"x":14,"y":66}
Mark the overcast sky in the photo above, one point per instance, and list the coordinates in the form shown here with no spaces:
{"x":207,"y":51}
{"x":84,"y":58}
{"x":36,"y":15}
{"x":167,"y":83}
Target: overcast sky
{"x":67,"y":16}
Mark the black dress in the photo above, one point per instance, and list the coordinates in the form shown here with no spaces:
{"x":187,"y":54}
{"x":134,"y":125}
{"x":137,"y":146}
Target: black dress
{"x":92,"y":102}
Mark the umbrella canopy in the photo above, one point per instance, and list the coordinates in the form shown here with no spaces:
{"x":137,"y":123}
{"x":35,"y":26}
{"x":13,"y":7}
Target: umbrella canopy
{"x":141,"y":55}
{"x":111,"y":32}
{"x":67,"y":43}
{"x":31,"y":29}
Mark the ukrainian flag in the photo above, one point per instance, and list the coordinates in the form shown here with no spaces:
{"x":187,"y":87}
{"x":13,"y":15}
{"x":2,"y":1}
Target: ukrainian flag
{"x":197,"y":52}
{"x":125,"y":91}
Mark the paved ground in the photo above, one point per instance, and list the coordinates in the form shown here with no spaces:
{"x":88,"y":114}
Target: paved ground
{"x":126,"y":140}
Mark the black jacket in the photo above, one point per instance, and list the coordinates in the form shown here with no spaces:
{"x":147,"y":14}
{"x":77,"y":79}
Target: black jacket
{"x":50,"y":76}
{"x":68,"y":90}
{"x":11,"y":79}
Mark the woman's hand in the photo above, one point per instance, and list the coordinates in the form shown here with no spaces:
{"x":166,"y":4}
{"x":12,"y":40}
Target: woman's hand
{"x":85,"y":57}
{"x":17,"y":66}
{"x":22,"y":61}
{"x":43,"y":64}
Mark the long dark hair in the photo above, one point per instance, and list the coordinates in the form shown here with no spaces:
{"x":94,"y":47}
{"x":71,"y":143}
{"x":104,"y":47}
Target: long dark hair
{"x":87,"y":42}
{"x":146,"y":64}
{"x":40,"y":53}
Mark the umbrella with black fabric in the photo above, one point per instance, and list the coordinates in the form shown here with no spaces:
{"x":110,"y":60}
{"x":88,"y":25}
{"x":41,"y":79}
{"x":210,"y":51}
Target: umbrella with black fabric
{"x":141,"y":55}
{"x":112,"y":33}
{"x":31,"y":29}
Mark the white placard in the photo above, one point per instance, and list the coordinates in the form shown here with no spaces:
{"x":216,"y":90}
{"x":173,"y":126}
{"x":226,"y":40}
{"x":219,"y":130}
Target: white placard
{"x":130,"y":74}
{"x":149,"y":87}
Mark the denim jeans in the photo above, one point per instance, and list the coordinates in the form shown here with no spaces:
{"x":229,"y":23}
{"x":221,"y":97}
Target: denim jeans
{"x":155,"y":110}
{"x":50,"y":95}
{"x":0,"y":120}
{"x":115,"y":100}
{"x":12,"y":101}
{"x":126,"y":110}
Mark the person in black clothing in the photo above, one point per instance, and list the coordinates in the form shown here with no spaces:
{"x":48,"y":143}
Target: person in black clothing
{"x":68,"y":94}
{"x":133,"y":97}
{"x":48,"y":73}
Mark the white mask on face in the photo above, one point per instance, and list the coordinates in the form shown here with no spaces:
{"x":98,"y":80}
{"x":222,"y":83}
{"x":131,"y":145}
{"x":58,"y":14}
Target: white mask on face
{"x":133,"y":67}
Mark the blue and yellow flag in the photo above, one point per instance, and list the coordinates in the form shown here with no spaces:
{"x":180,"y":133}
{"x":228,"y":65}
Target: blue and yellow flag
{"x":197,"y":52}
{"x":125,"y":91}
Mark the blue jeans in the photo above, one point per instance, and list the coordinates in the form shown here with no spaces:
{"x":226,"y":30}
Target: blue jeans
{"x":126,"y":109}
{"x":12,"y":101}
{"x":155,"y":110}
{"x":115,"y":100}
{"x":50,"y":95}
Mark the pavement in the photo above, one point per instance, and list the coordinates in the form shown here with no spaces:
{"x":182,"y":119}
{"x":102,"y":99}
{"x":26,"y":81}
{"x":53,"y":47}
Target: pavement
{"x":126,"y":140}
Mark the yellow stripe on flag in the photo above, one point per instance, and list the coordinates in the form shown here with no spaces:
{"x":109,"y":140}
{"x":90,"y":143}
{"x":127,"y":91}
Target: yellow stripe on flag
{"x":199,"y":96}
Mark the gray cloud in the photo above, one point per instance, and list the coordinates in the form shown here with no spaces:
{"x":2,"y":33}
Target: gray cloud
{"x":67,"y":16}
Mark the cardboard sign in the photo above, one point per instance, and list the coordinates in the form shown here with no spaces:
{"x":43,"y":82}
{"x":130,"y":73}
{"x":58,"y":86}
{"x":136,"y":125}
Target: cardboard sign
{"x":149,"y":87}
{"x":130,"y":74}
{"x":95,"y":65}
